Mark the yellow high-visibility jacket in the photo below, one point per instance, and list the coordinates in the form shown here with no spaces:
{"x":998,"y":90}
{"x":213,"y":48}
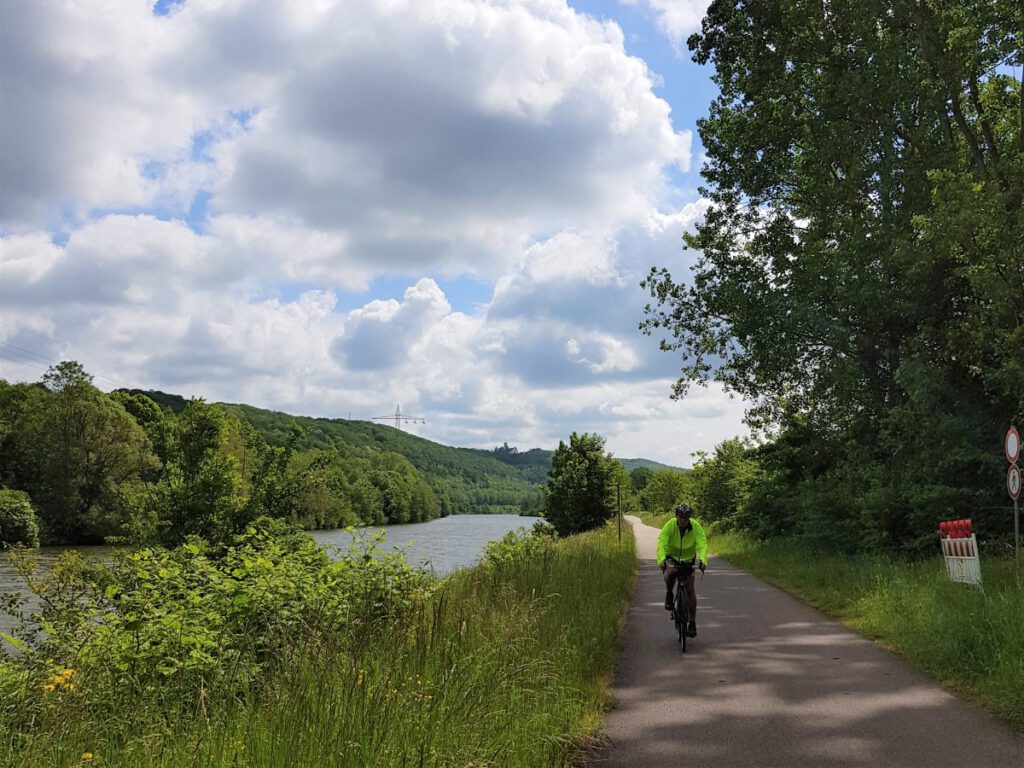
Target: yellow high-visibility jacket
{"x":673,"y":542}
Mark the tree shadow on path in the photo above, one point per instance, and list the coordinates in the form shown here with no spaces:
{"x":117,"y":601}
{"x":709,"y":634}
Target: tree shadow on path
{"x":772,"y":682}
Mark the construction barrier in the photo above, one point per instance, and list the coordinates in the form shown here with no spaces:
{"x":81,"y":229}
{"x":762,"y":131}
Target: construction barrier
{"x":960,"y":550}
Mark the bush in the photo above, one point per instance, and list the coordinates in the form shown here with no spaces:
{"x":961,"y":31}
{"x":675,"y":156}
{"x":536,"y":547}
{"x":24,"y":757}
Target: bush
{"x":520,"y":546}
{"x":165,"y":630}
{"x":18,"y":523}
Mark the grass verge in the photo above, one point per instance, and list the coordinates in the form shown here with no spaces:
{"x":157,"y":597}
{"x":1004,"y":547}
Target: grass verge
{"x":971,"y":640}
{"x":656,"y":520}
{"x":506,"y":664}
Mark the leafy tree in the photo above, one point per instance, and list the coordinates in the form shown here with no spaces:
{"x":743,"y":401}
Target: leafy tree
{"x":620,"y":490}
{"x":274,"y":485}
{"x":149,"y":416}
{"x":723,"y":483}
{"x":859,"y":269}
{"x":17,"y":519}
{"x":324,"y":496}
{"x":198,"y":494}
{"x":666,"y":489}
{"x":532,"y":506}
{"x":77,"y":449}
{"x":366,"y":501}
{"x":19,"y":403}
{"x":639,"y":477}
{"x":580,"y":492}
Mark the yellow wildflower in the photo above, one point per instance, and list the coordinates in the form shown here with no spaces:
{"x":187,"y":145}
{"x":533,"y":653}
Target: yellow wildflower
{"x":61,"y":680}
{"x":87,"y":757}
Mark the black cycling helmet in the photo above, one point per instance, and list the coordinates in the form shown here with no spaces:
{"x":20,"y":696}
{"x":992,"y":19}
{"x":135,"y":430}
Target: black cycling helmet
{"x":684,"y":509}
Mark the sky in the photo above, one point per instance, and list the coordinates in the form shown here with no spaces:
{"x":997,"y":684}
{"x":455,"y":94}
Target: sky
{"x":337,"y":207}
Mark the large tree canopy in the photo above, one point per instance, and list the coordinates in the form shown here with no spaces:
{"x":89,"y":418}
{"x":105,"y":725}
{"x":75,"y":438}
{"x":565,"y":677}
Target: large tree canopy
{"x":860,"y":274}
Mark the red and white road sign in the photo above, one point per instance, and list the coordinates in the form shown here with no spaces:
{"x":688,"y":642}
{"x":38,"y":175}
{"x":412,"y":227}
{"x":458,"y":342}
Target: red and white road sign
{"x":1012,"y":445}
{"x":1013,"y":482}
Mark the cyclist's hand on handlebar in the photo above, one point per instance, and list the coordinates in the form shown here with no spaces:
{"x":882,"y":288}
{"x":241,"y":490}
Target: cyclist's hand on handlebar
{"x":701,"y":566}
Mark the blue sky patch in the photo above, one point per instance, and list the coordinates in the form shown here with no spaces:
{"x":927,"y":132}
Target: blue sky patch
{"x":166,"y":7}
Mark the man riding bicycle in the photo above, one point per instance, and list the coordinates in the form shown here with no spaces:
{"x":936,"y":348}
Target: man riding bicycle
{"x":681,"y":543}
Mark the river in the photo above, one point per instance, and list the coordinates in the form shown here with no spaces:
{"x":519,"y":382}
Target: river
{"x":441,"y":545}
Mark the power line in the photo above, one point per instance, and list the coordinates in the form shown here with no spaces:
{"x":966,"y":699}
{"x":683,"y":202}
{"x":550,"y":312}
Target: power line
{"x":21,"y":362}
{"x":22,"y":351}
{"x":62,"y":342}
{"x":29,"y":355}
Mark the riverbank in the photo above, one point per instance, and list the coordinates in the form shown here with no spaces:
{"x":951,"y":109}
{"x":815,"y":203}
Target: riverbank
{"x":439,"y":546}
{"x":277,"y":657}
{"x":968,"y":639}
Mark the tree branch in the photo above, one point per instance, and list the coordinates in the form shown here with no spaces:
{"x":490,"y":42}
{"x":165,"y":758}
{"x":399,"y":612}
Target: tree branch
{"x":986,"y":129}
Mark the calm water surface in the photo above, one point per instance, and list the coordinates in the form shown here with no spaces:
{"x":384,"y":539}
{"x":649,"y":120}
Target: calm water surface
{"x":442,"y":545}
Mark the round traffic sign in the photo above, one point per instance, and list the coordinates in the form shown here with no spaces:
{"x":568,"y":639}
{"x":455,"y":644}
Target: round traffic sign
{"x":1012,"y":445}
{"x":1013,"y":482}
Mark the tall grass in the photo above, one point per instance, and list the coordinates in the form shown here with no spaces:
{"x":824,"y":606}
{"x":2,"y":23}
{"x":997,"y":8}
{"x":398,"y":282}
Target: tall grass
{"x":505,"y":664}
{"x":970,"y":639}
{"x":656,"y":520}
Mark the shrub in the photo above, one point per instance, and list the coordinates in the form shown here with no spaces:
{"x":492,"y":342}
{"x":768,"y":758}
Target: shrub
{"x":521,"y":546}
{"x":166,"y":629}
{"x":17,"y":519}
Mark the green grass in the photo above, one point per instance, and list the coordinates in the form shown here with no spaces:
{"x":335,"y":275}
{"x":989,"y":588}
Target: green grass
{"x":501,"y":665}
{"x":972,"y":640}
{"x":656,"y":520}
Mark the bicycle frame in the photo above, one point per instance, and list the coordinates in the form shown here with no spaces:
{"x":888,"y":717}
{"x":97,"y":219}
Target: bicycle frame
{"x":680,"y":605}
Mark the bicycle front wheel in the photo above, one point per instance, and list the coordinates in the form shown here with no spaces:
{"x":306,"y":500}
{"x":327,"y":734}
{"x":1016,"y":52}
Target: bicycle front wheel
{"x":682,"y":614}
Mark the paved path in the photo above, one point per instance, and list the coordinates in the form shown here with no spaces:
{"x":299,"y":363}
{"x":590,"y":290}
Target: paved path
{"x":771,"y":682}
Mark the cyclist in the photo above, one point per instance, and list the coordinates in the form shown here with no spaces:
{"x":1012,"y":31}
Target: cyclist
{"x":683,"y":540}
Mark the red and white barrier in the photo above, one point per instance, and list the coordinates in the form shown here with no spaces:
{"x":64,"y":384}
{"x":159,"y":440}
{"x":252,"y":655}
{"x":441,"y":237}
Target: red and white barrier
{"x":960,"y":549}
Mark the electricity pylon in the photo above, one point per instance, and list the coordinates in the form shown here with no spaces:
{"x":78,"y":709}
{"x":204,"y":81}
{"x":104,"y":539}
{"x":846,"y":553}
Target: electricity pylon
{"x":399,"y":417}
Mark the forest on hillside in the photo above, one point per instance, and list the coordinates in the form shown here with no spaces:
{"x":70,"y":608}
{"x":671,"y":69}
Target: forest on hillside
{"x":78,"y":465}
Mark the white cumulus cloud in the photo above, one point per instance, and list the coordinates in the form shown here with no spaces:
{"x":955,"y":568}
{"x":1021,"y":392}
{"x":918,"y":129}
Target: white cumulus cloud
{"x":205,"y":202}
{"x":677,"y":19}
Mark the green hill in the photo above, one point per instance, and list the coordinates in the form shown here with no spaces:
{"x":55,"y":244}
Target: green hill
{"x":654,"y":466}
{"x":533,"y":465}
{"x":427,"y":456}
{"x":480,"y":480}
{"x":465,"y":480}
{"x":468,"y":481}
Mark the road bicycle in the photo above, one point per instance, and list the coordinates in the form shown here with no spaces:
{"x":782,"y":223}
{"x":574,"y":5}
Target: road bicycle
{"x":680,"y":607}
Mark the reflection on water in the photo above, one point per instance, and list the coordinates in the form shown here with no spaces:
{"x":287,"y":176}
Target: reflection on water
{"x":442,"y":545}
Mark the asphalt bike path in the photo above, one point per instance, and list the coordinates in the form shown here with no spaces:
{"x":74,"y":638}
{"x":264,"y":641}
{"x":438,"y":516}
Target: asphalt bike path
{"x":770,"y":681}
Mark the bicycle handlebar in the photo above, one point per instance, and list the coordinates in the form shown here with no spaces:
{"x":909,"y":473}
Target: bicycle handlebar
{"x":695,"y":565}
{"x":671,"y":560}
